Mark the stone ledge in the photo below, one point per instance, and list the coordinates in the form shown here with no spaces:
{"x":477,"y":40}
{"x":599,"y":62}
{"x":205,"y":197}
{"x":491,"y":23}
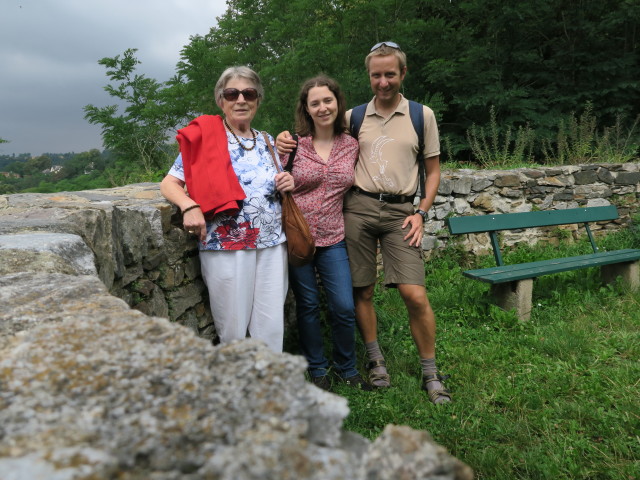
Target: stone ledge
{"x":91,"y":388}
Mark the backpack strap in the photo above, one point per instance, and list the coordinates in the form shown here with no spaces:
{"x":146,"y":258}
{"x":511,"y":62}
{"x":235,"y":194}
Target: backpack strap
{"x":357,"y":117}
{"x":417,"y":120}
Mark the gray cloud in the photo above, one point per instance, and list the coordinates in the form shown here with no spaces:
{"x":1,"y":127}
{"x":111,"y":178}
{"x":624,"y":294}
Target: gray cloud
{"x":49,"y":52}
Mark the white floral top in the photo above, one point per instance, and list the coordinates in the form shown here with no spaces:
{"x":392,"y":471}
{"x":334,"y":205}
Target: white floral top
{"x":258,"y":223}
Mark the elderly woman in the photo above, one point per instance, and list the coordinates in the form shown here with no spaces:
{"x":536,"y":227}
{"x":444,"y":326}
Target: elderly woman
{"x":230,"y":205}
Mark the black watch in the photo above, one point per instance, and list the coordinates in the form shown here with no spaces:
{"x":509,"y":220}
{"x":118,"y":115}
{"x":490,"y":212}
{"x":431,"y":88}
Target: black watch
{"x":423,"y":214}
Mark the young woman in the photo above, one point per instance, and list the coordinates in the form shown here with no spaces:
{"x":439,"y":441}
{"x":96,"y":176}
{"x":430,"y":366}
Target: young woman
{"x":323,"y":170}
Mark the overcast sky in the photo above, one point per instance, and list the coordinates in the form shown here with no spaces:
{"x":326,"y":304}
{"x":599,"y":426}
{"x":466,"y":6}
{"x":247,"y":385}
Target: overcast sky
{"x":49,"y":52}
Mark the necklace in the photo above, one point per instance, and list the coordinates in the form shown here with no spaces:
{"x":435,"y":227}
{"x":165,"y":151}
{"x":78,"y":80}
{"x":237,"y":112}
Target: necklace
{"x":238,"y":140}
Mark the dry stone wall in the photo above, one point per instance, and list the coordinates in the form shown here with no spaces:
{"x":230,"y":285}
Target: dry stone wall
{"x":127,"y":236}
{"x":479,"y":192}
{"x":132,"y":239}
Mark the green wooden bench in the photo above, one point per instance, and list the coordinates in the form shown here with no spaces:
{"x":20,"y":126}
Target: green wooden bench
{"x":512,"y":284}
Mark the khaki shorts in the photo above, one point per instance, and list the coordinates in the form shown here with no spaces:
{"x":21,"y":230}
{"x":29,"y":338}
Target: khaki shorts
{"x":369,"y":221}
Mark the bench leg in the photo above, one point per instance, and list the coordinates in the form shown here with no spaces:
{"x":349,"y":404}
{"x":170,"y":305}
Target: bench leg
{"x":514,"y":295}
{"x":629,"y":271}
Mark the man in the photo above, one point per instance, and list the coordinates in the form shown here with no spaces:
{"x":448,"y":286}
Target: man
{"x":379,"y":208}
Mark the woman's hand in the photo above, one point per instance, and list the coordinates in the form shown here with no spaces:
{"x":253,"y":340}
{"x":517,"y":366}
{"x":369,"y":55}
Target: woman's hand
{"x":194,"y":223}
{"x":284,"y":182}
{"x":285,"y":143}
{"x":172,"y":189}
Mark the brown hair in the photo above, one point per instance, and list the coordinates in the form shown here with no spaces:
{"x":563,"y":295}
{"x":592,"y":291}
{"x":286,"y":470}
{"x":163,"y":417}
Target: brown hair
{"x":304,"y":123}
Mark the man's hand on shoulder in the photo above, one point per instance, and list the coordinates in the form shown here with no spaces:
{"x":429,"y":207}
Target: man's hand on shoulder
{"x":285,"y":142}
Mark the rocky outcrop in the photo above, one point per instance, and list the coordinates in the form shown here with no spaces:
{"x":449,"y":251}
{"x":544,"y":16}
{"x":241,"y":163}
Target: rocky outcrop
{"x":91,"y":388}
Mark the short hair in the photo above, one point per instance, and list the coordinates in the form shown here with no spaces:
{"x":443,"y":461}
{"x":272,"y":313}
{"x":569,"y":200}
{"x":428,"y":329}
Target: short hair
{"x":237,"y":72}
{"x":384,"y":50}
{"x":304,"y":123}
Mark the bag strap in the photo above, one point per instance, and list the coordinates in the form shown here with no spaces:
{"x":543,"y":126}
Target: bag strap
{"x":292,"y":155}
{"x":273,"y":154}
{"x":417,"y":119}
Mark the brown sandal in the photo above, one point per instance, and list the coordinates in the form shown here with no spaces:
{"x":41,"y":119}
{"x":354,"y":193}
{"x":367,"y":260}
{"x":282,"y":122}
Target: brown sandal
{"x":437,"y":393}
{"x":383,"y":379}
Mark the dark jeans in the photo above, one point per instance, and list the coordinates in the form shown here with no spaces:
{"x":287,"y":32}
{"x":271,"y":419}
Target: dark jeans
{"x":332,"y":266}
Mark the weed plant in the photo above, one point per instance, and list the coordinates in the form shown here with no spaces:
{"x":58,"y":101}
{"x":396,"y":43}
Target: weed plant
{"x":495,"y":149}
{"x":579,"y":141}
{"x":555,"y":397}
{"x":576,"y":138}
{"x":617,"y":146}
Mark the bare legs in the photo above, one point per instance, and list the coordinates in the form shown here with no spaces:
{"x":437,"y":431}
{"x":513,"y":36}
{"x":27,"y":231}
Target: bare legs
{"x":422,"y":323}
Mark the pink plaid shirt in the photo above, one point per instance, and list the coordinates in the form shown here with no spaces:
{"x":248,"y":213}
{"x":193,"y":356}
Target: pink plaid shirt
{"x":320,"y":186}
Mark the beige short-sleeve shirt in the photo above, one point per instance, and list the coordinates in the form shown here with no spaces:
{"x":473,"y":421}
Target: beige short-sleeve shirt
{"x":388,"y":149}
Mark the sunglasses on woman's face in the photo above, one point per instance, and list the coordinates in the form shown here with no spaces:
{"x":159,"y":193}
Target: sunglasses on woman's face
{"x":232,"y":94}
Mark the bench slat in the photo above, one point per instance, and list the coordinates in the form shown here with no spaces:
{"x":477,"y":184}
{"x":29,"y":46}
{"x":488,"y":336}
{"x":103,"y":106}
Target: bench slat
{"x":514,"y":221}
{"x":508,"y":273}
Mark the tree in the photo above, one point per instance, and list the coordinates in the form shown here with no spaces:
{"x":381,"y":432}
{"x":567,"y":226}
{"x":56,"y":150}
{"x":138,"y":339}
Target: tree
{"x":37,"y":165}
{"x":140,"y":135}
{"x":532,"y":62}
{"x":286,"y":42}
{"x":81,"y":163}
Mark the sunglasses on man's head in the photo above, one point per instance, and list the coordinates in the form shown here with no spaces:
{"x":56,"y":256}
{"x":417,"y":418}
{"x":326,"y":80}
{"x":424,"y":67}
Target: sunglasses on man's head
{"x":232,"y":94}
{"x":388,"y":44}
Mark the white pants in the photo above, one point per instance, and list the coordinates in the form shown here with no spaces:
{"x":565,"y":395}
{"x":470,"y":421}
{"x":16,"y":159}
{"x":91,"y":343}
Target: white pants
{"x":247,"y":290}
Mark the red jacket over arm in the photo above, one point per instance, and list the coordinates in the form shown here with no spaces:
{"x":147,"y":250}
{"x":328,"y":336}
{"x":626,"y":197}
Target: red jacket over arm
{"x":209,"y":175}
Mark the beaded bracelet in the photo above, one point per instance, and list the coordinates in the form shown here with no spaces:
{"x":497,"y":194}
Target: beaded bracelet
{"x":195,"y":205}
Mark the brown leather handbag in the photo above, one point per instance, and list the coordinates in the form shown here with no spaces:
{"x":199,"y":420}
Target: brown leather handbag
{"x":300,"y":244}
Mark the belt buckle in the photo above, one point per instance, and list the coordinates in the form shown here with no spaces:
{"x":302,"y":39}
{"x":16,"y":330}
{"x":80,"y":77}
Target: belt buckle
{"x":381,"y":197}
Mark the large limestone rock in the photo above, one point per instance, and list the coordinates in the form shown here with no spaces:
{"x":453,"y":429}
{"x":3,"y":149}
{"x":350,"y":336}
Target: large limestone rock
{"x":90,"y":388}
{"x":121,"y":226}
{"x":31,"y":299}
{"x":46,"y":252}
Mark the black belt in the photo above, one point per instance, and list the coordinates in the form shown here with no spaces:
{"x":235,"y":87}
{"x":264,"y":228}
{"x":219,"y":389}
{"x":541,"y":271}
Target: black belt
{"x":385,"y":197}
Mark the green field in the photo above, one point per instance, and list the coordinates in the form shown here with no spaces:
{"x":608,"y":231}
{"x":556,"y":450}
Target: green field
{"x":556,"y":397}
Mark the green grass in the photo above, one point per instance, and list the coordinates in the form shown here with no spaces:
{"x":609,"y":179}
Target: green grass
{"x":556,"y":397}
